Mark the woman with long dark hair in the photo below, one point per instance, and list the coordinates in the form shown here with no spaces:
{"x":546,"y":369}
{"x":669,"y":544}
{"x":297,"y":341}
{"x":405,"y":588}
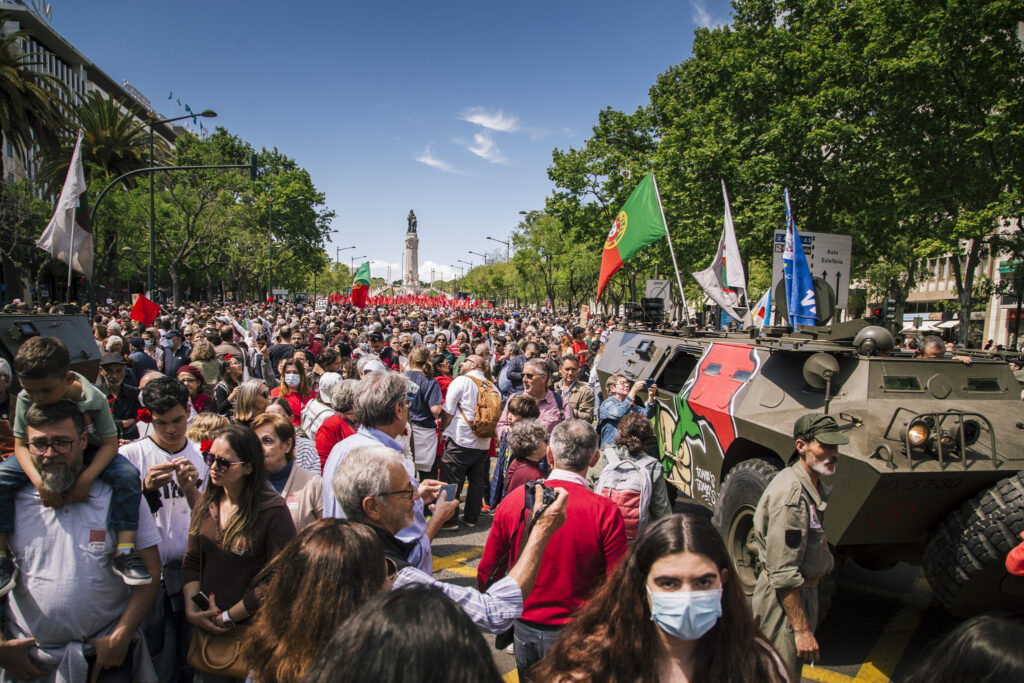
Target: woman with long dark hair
{"x":672,"y":611}
{"x":341,"y":565}
{"x":238,"y":526}
{"x":226,"y":390}
{"x":294,"y":387}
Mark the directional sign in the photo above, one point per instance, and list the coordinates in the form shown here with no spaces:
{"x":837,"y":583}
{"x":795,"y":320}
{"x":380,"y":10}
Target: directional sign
{"x":828,"y":256}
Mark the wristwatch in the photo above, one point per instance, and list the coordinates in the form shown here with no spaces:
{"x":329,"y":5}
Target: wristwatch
{"x":225,"y":620}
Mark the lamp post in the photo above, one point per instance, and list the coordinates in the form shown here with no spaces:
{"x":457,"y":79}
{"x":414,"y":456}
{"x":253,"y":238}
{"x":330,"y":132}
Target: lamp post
{"x":483,"y":256}
{"x":352,"y":267}
{"x":337,"y":253}
{"x":151,"y":269}
{"x":507,"y":245}
{"x":462,"y":273}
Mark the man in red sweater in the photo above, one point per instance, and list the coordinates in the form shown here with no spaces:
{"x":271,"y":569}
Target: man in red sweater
{"x":577,"y":558}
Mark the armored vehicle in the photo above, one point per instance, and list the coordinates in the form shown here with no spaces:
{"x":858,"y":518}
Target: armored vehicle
{"x":932,"y":474}
{"x":73,"y":330}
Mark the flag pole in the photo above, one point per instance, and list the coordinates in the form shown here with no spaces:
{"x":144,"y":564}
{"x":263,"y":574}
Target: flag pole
{"x":679,"y":280}
{"x":71,"y":252}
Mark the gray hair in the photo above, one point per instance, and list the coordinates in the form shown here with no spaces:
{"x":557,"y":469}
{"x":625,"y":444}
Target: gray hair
{"x":539,"y":365}
{"x":363,"y":473}
{"x":525,"y":438}
{"x":364,"y":359}
{"x":573,"y":444}
{"x":377,"y":395}
{"x":5,"y":369}
{"x":344,"y":395}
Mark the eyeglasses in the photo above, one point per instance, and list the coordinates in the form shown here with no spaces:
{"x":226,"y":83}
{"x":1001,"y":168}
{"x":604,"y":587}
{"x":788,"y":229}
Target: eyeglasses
{"x":189,"y":380}
{"x":530,"y":375}
{"x":391,"y":569}
{"x":219,"y":463}
{"x":59,"y":446}
{"x":401,"y":492}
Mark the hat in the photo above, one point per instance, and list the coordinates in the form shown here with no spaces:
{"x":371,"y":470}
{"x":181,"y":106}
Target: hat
{"x":111,"y":359}
{"x":821,"y":427}
{"x":376,"y":337}
{"x":328,"y":381}
{"x":374,"y":366}
{"x":174,"y":333}
{"x":192,"y":370}
{"x":137,"y":342}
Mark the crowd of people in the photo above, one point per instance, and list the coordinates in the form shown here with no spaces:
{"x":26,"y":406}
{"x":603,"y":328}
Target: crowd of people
{"x":252,"y":492}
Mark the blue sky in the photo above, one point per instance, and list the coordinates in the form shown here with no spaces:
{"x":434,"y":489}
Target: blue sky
{"x":450,"y":108}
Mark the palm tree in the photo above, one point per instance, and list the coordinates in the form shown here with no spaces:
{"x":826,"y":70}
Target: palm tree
{"x":32,"y":113}
{"x":114,"y":141}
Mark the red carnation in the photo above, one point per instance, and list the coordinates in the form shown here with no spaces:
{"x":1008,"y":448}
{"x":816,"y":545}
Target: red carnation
{"x":144,"y":416}
{"x":205,"y":445}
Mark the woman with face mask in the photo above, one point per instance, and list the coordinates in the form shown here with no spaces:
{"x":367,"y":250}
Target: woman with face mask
{"x":294,"y":387}
{"x":672,"y":612}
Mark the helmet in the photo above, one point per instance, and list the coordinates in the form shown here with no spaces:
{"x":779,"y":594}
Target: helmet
{"x":871,"y":340}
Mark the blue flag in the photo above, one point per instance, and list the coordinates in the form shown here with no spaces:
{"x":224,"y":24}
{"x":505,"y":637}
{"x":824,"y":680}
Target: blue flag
{"x":799,"y":282}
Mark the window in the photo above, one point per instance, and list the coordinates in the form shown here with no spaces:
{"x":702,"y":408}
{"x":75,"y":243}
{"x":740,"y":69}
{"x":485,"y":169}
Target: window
{"x":713,"y":369}
{"x":896,"y":383}
{"x":987,"y":384}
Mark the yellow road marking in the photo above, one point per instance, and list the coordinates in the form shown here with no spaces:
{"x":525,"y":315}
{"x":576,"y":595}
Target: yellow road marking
{"x":824,"y":675}
{"x":889,"y":647}
{"x":451,"y":562}
{"x":511,"y":677}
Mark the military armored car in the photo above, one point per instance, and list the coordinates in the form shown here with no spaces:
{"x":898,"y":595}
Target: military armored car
{"x":932,"y":474}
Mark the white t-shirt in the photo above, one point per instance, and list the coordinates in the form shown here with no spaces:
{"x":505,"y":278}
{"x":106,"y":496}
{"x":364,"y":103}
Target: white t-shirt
{"x":173,"y":517}
{"x":66,"y":590}
{"x":461,"y":398}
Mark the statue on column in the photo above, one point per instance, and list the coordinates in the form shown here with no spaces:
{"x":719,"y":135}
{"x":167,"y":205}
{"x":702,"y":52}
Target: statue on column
{"x":412,"y":221}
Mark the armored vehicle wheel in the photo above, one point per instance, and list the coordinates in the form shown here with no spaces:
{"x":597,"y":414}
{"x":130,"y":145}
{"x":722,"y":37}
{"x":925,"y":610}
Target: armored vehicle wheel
{"x":734,"y":515}
{"x":964,"y":559}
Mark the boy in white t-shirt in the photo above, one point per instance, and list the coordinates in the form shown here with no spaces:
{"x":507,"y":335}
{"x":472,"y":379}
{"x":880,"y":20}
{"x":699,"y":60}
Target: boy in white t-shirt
{"x":172,"y":469}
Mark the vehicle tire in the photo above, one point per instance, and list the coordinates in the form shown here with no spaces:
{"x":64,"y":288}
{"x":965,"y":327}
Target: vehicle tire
{"x":964,"y":560}
{"x":734,"y":515}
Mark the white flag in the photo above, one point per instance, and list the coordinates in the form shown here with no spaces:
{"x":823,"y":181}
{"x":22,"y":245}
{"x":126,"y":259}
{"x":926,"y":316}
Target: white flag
{"x":762,"y":309}
{"x":723,"y":281}
{"x":68,"y":237}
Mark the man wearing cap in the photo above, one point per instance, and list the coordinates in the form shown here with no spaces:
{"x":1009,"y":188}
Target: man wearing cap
{"x":175,"y":353}
{"x":790,"y":536}
{"x":386,"y":354}
{"x":123,"y":398}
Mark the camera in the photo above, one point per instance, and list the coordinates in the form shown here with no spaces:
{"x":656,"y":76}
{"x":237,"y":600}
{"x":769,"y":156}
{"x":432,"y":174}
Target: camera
{"x":549,"y":495}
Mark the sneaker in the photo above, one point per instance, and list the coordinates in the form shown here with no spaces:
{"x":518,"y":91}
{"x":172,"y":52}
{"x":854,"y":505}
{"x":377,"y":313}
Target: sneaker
{"x":468,"y":523}
{"x":451,"y":525}
{"x":511,"y":649}
{"x":8,"y":574}
{"x":131,"y":569}
{"x":486,"y":510}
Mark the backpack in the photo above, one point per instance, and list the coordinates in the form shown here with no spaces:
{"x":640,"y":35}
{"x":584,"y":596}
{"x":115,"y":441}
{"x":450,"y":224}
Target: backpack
{"x":628,"y":484}
{"x":488,"y":409}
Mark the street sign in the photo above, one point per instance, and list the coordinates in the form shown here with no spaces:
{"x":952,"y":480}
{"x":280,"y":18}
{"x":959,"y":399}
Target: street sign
{"x":828,"y":257}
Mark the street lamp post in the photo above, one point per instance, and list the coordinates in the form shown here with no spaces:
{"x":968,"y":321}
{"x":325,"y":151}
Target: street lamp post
{"x":151,"y":269}
{"x":352,"y":267}
{"x":462,"y":274}
{"x":507,"y":245}
{"x":483,"y":256}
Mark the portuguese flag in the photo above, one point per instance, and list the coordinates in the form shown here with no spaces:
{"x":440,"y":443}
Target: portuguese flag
{"x":361,"y":286}
{"x":639,"y":223}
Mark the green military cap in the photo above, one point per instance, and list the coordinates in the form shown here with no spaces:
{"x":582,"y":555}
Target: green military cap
{"x":821,"y":427}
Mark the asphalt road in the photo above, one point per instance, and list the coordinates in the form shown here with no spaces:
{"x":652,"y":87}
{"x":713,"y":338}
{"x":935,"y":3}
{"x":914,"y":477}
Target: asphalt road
{"x":879,"y":625}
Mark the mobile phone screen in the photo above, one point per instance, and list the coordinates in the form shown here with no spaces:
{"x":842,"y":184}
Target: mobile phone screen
{"x":448,"y":490}
{"x":201,"y":601}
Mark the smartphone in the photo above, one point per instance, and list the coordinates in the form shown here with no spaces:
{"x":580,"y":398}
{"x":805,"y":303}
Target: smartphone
{"x":201,"y":601}
{"x":449,"y":491}
{"x":648,"y":382}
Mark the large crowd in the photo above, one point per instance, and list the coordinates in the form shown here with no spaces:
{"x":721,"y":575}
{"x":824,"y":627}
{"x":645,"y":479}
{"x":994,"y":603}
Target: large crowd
{"x":251,"y":491}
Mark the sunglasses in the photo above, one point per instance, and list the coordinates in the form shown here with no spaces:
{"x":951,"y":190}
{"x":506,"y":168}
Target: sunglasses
{"x":527,"y":375}
{"x":219,"y":463}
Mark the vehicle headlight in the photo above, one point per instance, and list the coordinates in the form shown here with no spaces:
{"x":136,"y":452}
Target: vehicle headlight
{"x":917,"y":433}
{"x":972,"y":432}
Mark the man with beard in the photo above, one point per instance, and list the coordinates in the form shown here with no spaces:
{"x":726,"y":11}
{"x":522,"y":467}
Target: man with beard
{"x":790,"y":535}
{"x":64,"y":555}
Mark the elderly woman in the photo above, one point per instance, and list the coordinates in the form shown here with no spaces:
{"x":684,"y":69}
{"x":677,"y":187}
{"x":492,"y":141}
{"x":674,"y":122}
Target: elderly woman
{"x":305,"y":450}
{"x":301,"y":489}
{"x":253,"y":397}
{"x":193,"y":379}
{"x":342,"y":424}
{"x":319,"y":409}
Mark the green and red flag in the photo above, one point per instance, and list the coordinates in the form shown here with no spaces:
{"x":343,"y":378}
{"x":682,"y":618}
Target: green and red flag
{"x":640,"y":222}
{"x":361,"y":286}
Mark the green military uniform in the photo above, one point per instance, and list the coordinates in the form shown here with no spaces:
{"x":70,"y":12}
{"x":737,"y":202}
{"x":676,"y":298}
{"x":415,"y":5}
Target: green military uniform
{"x":790,"y":537}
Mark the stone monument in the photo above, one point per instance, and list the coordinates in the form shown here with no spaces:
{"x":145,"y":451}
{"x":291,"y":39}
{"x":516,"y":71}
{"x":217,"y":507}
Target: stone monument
{"x":411,"y":277}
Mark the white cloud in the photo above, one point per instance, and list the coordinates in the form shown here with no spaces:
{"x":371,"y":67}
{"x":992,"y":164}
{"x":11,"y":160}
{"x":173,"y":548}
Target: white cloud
{"x":379,"y":268}
{"x":492,"y":120}
{"x":441,"y":271}
{"x":483,"y":146}
{"x":428,"y":158}
{"x":700,"y":15}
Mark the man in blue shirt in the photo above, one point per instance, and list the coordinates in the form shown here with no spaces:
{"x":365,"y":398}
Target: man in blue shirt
{"x":621,"y":400}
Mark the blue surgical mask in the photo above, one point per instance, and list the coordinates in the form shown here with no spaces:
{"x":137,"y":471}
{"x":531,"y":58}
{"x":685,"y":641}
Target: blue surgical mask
{"x":147,"y":343}
{"x":166,"y":343}
{"x":432,"y":347}
{"x":686,"y":615}
{"x":364,"y":347}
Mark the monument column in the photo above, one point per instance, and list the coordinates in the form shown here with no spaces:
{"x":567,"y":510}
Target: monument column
{"x":411,"y":276}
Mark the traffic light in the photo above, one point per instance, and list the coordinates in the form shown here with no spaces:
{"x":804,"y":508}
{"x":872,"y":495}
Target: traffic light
{"x":877,"y":314}
{"x":890,"y":309}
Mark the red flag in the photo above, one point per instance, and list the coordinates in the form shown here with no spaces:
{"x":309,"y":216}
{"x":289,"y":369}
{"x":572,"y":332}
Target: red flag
{"x":359,"y":295}
{"x":144,"y":311}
